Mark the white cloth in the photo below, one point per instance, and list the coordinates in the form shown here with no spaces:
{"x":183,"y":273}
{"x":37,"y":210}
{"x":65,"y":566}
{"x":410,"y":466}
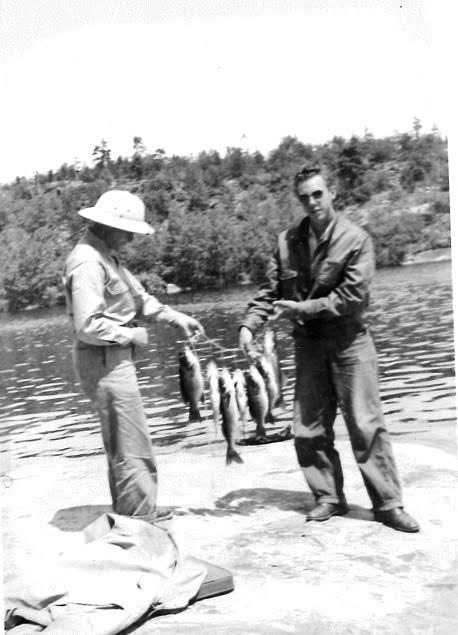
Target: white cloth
{"x":127,"y":568}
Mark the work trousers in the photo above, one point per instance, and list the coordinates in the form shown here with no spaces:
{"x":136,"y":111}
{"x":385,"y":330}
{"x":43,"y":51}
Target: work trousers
{"x":108,"y":377}
{"x":342,"y":371}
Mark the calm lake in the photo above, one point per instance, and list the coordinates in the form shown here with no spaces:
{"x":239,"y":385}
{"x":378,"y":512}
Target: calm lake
{"x":42,"y":412}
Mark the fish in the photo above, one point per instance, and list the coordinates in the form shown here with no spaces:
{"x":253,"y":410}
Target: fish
{"x":213,"y":391}
{"x":191,"y":382}
{"x":273,"y":390}
{"x":240,"y":395}
{"x":258,"y":400}
{"x":271,"y":353}
{"x":229,"y":414}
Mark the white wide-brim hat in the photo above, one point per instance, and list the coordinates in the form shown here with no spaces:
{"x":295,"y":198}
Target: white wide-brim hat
{"x":119,"y":209}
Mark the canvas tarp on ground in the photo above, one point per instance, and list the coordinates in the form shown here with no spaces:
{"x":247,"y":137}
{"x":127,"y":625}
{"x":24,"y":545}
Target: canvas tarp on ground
{"x":125,"y":569}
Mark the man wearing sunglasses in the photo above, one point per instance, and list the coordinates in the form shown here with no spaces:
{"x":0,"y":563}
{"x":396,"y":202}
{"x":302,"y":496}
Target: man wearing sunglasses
{"x":319,"y":277}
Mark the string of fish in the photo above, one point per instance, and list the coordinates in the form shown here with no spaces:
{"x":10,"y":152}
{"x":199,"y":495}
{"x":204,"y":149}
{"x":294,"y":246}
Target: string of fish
{"x":255,"y":391}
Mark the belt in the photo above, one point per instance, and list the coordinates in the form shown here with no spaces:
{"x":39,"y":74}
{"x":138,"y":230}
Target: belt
{"x":84,"y":346}
{"x":106,"y":353}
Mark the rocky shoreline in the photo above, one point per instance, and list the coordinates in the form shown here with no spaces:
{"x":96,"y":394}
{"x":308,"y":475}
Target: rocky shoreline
{"x":348,"y":575}
{"x":431,"y":255}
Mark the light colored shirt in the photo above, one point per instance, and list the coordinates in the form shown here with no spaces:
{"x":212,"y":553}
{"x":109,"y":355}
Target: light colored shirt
{"x":103,"y":297}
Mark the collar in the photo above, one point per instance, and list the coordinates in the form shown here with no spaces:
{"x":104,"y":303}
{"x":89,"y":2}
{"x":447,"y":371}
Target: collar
{"x":94,"y":241}
{"x":326,"y":236}
{"x":301,"y":231}
{"x":304,"y":231}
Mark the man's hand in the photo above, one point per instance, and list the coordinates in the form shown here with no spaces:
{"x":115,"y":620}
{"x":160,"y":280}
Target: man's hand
{"x":139,"y":336}
{"x":287,"y":308}
{"x":191,"y":327}
{"x":246,"y":344}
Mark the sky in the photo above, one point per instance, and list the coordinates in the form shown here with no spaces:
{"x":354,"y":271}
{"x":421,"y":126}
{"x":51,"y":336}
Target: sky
{"x":189,"y":75}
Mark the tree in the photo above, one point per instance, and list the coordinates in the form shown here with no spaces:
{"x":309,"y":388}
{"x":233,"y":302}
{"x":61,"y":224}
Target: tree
{"x":350,"y":173}
{"x":233,"y":163}
{"x":101,"y":155}
{"x":217,"y":218}
{"x":139,"y":146}
{"x":285,"y":160}
{"x":417,"y":127}
{"x":393,"y":235}
{"x":34,"y":264}
{"x":210,"y":164}
{"x":137,"y":157}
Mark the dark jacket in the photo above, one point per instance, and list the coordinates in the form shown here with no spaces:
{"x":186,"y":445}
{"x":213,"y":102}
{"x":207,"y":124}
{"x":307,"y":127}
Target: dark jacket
{"x":331,"y":285}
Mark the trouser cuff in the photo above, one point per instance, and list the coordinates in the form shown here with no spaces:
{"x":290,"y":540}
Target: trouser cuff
{"x":388,"y":506}
{"x":334,"y":500}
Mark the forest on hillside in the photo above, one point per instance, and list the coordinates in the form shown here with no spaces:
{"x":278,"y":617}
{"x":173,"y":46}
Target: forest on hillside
{"x":217,"y":215}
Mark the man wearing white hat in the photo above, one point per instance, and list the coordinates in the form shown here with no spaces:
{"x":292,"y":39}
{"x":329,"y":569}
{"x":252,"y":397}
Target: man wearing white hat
{"x":103,"y":298}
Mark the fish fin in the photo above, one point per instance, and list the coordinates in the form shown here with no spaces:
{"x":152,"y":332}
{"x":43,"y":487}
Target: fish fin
{"x":194,"y":414}
{"x":260,"y":430}
{"x":233,"y":455}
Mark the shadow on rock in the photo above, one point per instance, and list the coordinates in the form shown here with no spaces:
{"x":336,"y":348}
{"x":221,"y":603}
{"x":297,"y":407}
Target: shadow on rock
{"x":239,"y":502}
{"x":248,"y":501}
{"x":359,"y":513}
{"x":78,"y":518}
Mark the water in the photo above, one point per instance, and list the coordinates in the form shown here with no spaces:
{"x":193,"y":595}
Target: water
{"x":43,"y":413}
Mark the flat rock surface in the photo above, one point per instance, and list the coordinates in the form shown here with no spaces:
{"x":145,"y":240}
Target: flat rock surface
{"x":347,"y":575}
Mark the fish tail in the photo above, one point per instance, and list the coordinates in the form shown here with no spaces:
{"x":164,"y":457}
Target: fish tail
{"x":233,"y":455}
{"x":260,"y":430}
{"x":194,"y":414}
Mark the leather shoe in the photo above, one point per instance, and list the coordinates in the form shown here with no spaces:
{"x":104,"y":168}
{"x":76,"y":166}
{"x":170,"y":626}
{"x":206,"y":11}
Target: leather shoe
{"x":398,"y":519}
{"x":324,"y":511}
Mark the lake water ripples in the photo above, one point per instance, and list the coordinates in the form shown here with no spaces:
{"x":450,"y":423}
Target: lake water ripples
{"x":43,"y":413}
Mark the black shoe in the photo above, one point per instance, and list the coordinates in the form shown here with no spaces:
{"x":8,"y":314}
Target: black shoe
{"x":398,"y":519}
{"x":324,"y":511}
